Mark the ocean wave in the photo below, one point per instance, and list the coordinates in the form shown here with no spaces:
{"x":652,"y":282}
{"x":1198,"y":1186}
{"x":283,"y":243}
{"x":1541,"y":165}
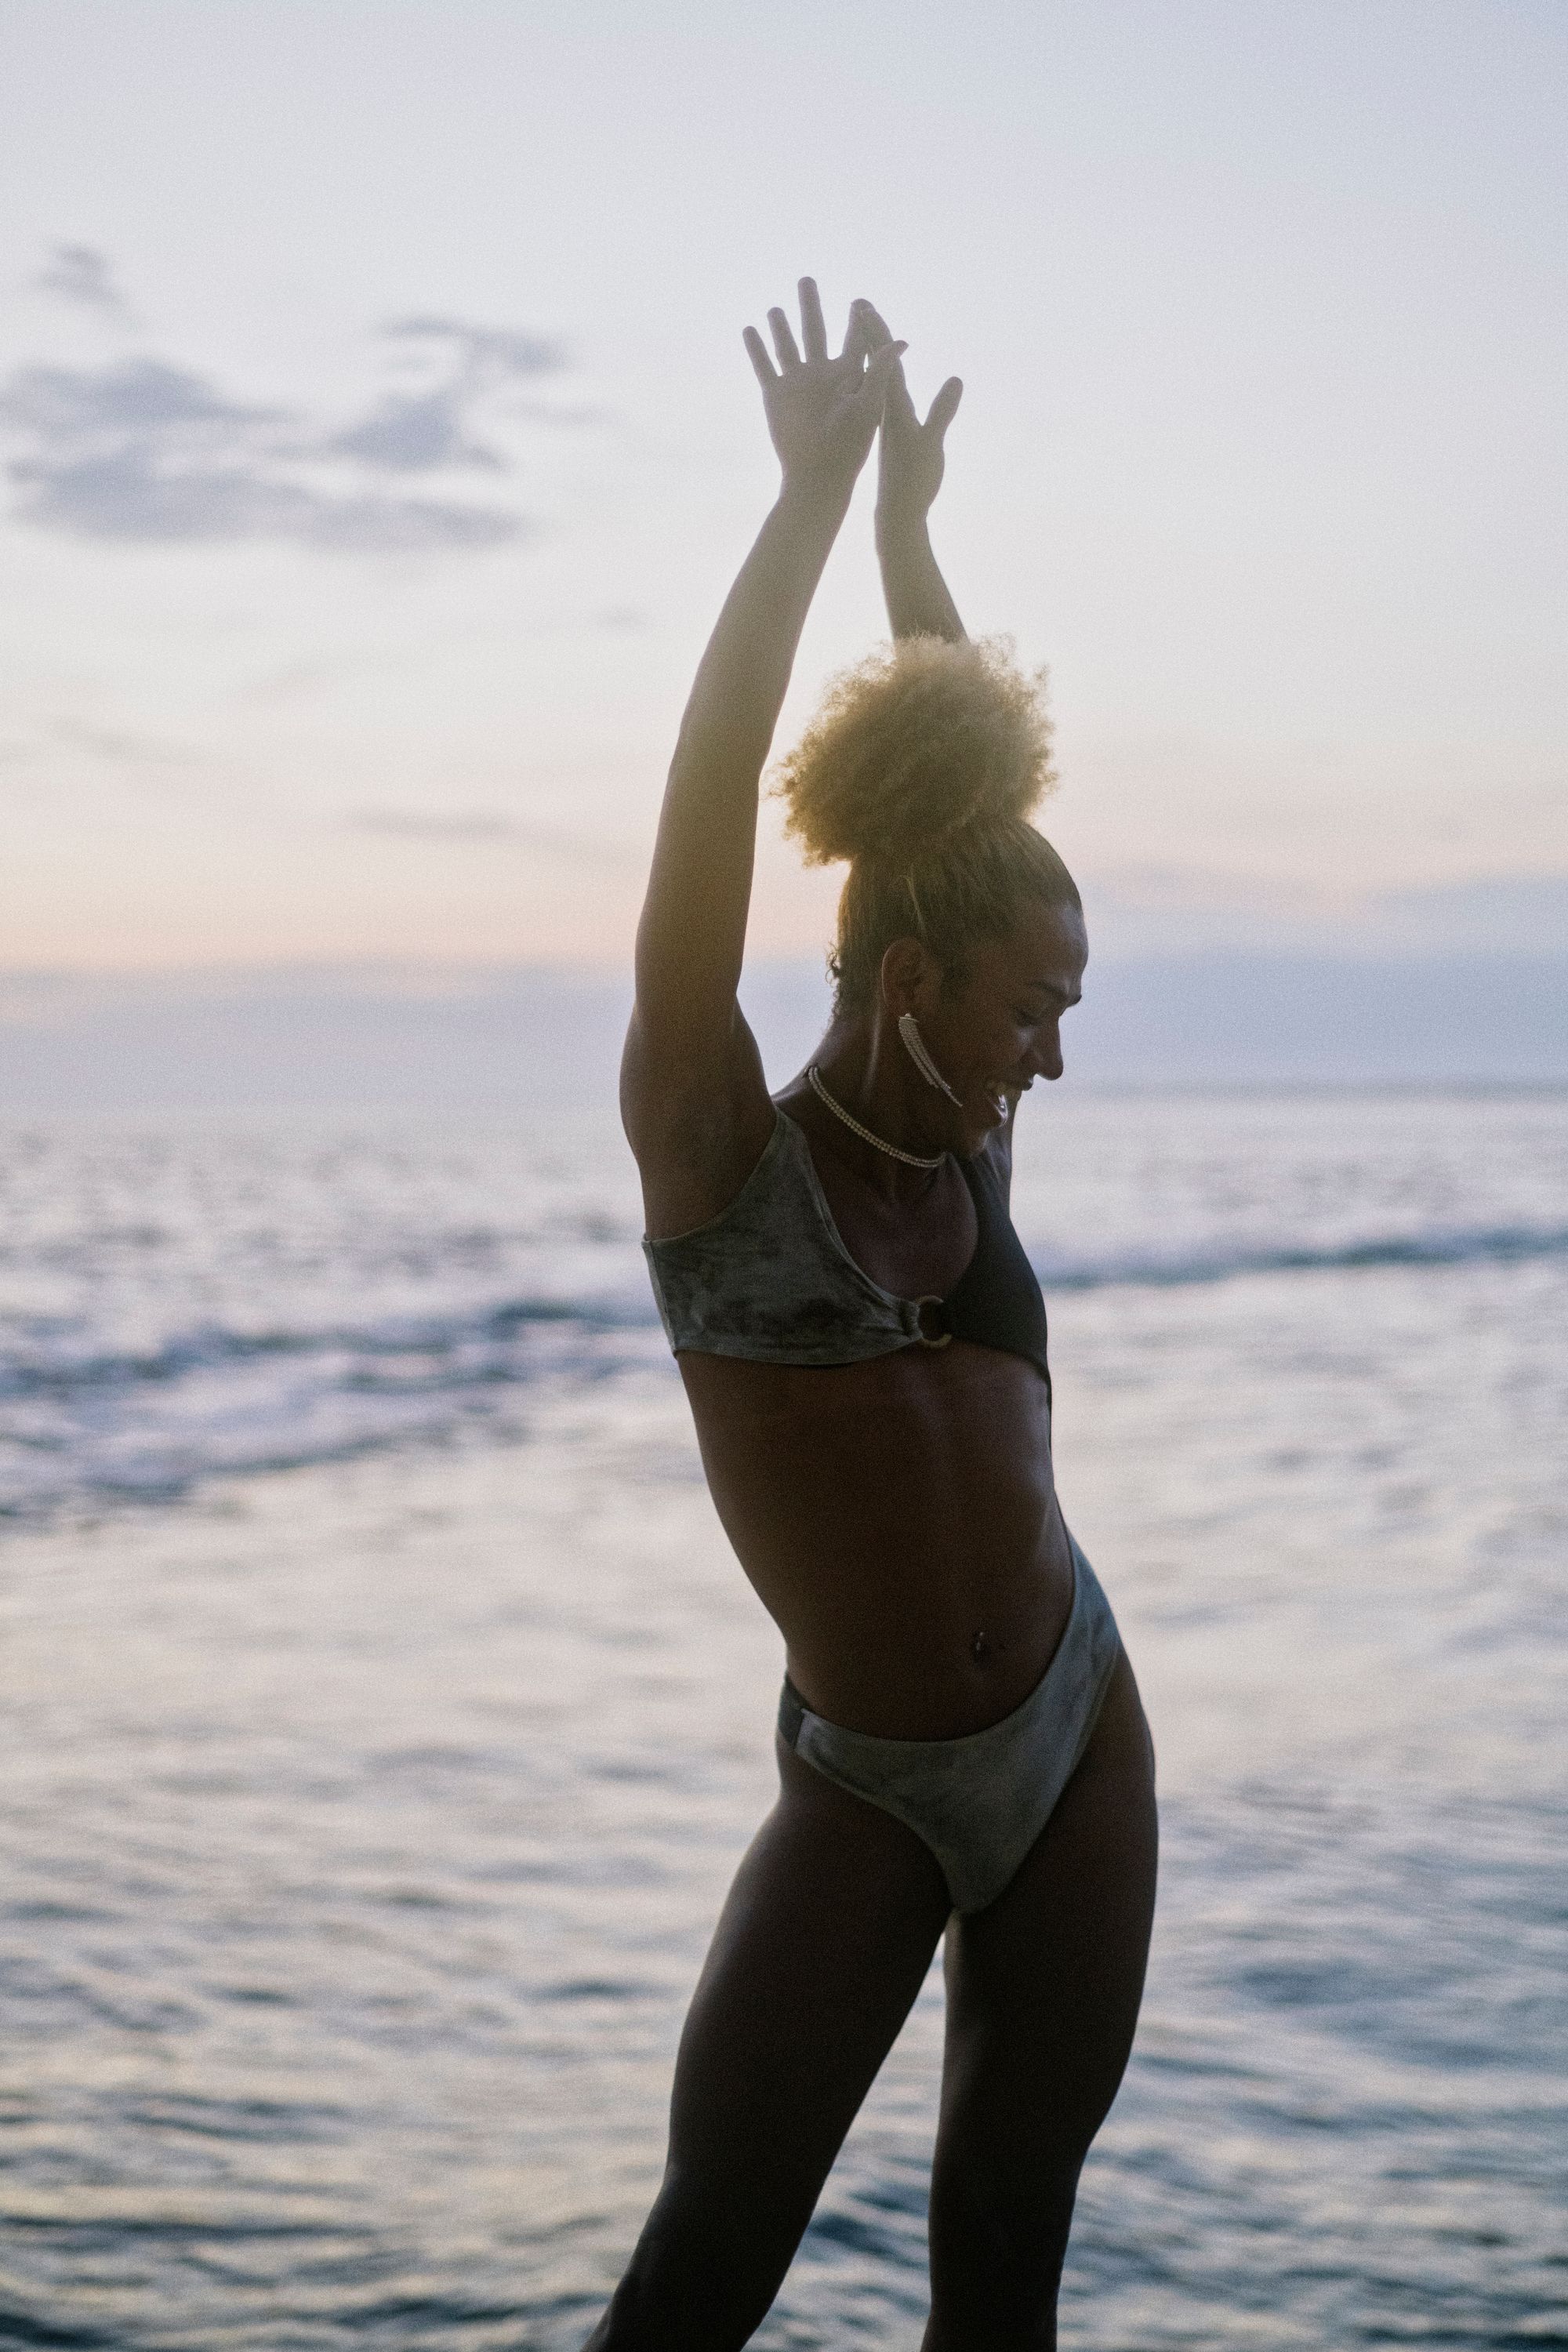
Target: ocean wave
{"x":89,"y":1417}
{"x":52,"y":1359}
{"x":1491,"y":1245}
{"x":85,"y":1425}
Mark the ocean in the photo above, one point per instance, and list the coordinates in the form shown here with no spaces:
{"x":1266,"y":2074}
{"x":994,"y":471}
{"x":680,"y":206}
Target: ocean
{"x":385,"y":1715}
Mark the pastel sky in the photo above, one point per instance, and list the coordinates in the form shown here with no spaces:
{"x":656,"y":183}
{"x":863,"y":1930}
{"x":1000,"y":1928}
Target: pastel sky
{"x":379,"y":442}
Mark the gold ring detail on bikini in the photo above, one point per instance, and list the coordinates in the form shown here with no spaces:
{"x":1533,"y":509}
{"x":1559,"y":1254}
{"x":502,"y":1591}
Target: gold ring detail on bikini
{"x":942,"y":1339}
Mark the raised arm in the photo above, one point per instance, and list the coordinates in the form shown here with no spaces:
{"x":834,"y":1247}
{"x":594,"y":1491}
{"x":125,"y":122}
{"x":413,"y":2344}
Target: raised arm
{"x":908,"y":477}
{"x":692,"y":1095}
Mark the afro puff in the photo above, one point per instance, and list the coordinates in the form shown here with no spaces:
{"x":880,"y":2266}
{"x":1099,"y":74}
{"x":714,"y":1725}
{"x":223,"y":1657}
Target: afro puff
{"x":920,"y":769}
{"x":920,"y":742}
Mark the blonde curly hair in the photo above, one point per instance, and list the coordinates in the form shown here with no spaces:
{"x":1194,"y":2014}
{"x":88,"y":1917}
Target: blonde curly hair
{"x":920,"y":768}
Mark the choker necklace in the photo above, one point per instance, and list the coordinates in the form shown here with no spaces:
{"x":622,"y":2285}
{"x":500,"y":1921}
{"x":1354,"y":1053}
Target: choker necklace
{"x":910,"y":1159}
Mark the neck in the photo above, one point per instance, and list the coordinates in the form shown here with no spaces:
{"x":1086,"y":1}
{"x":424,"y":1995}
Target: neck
{"x":872,"y":1076}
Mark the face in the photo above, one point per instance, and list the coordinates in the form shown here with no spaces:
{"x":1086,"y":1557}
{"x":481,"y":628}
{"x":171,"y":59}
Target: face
{"x":998,"y":1030}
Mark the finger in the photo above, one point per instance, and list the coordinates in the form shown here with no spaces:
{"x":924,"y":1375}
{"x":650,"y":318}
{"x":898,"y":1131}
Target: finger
{"x":757,"y":352}
{"x":944,"y":407}
{"x":813,"y":330}
{"x":900,"y":406}
{"x":876,"y":329}
{"x":880,"y":373}
{"x":861,"y":337}
{"x":783,"y":339}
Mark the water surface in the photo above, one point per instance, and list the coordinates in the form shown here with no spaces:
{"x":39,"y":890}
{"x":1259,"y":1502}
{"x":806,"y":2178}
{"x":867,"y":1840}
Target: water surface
{"x":385,"y":1717}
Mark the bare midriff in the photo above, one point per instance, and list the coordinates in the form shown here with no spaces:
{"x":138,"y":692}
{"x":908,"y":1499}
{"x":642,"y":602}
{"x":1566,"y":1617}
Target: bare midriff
{"x":898,"y":1519}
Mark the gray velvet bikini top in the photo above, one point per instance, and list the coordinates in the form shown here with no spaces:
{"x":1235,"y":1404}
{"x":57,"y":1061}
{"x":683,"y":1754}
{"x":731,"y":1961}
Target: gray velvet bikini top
{"x":770,"y":1279}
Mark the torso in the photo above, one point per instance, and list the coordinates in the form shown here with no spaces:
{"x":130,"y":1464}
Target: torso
{"x":896,"y":1517}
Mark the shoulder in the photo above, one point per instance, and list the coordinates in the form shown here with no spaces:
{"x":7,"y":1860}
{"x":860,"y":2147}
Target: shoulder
{"x":695,"y":1133}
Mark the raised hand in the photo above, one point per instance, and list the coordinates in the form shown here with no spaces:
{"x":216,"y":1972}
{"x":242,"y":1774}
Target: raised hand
{"x":908,"y":477}
{"x":822,"y":412}
{"x":912,"y":458}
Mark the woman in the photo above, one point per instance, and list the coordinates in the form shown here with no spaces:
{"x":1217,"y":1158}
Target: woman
{"x":960,"y":1748}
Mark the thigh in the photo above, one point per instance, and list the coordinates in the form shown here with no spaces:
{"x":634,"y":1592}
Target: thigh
{"x":823,"y":1943}
{"x":1043,"y":1994}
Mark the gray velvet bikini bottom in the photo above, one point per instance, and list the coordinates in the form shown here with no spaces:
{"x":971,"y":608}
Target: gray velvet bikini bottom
{"x":981,"y":1802}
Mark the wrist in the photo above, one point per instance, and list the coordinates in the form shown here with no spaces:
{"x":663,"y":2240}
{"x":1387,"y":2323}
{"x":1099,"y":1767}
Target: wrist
{"x":899,"y":525}
{"x":815,"y":500}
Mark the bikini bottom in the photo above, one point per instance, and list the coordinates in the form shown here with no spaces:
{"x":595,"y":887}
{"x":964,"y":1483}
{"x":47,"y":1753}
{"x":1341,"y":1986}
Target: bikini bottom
{"x":981,"y":1802}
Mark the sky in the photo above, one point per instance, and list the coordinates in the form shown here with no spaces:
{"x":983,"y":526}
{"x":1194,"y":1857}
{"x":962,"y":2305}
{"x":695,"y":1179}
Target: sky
{"x":379,"y":445}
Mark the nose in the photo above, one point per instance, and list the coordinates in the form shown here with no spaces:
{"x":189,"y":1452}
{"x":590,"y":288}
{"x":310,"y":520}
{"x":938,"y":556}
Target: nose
{"x":1046,"y":1057}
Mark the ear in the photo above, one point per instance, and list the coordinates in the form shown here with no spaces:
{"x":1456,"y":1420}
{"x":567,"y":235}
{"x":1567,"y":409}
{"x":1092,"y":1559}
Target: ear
{"x":910,"y":978}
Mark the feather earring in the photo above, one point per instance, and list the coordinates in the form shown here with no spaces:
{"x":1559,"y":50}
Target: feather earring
{"x":915,"y":1046}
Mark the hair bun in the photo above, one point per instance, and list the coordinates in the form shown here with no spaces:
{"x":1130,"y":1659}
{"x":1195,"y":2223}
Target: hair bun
{"x":921,"y":742}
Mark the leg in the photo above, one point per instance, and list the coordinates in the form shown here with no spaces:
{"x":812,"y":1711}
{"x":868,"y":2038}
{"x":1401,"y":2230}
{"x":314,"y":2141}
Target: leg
{"x":1043,"y":1994}
{"x":822,"y":1946}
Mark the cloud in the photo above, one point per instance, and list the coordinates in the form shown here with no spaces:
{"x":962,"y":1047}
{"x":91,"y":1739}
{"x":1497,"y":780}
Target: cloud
{"x":78,"y":273}
{"x":142,"y":450}
{"x":68,"y":407}
{"x":132,"y":494}
{"x":482,"y":825}
{"x":118,"y":745}
{"x":294,"y":680}
{"x":411,"y":433}
{"x":418,"y":825}
{"x":1521,"y":914}
{"x":126,"y":749}
{"x":1150,"y":909}
{"x":497,"y":350}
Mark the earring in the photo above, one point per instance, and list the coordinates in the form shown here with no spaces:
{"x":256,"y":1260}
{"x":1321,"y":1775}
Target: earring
{"x":915,"y":1046}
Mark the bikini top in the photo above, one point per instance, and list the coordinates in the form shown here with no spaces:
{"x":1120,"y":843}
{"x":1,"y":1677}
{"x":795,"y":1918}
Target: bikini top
{"x":770,"y":1279}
